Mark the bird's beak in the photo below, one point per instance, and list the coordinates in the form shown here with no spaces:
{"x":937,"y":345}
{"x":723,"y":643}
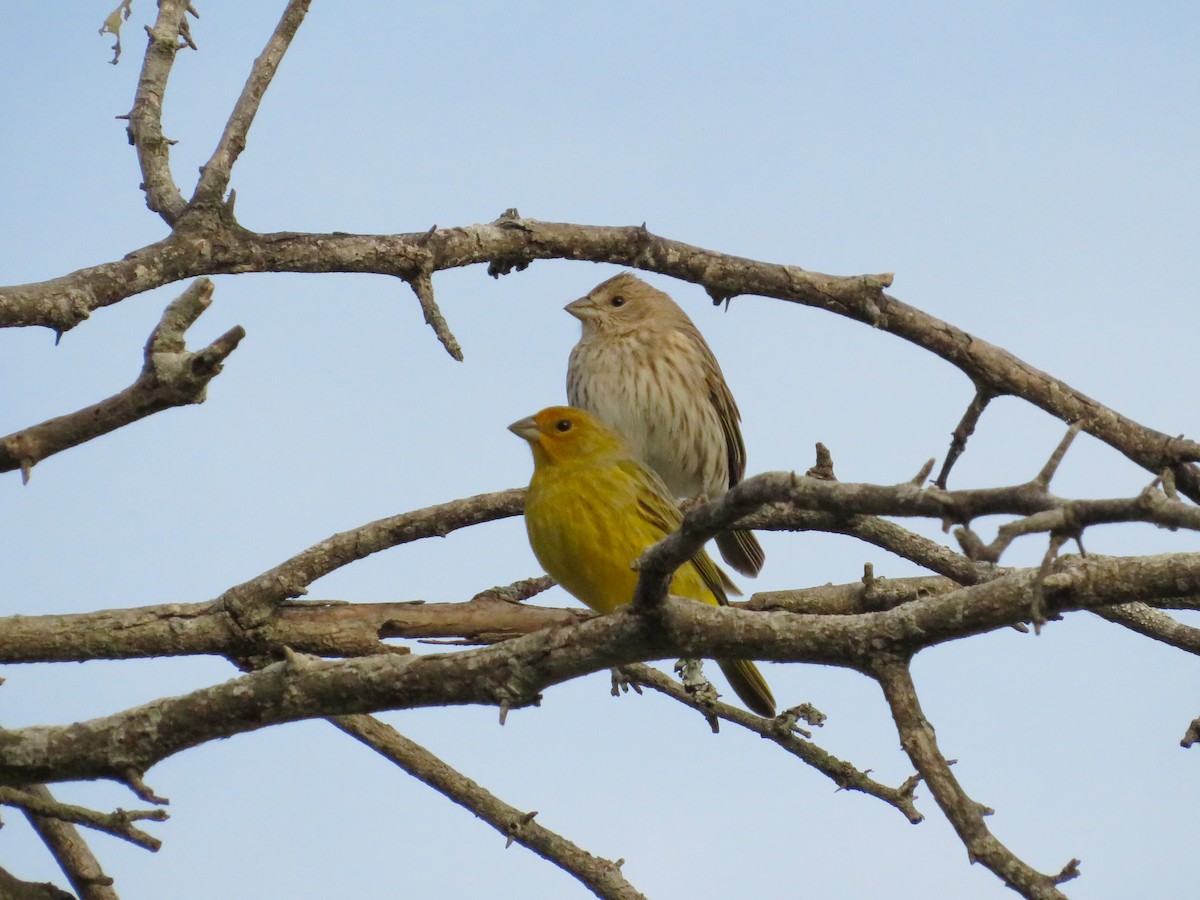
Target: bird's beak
{"x":582,"y":309}
{"x":526,"y":429}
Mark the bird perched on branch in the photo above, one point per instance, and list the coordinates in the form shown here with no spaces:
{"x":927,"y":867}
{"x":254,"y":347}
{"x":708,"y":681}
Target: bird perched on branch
{"x":593,"y":508}
{"x":643,"y":369}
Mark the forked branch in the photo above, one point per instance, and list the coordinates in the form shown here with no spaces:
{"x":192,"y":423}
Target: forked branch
{"x":171,"y":376}
{"x":71,"y":852}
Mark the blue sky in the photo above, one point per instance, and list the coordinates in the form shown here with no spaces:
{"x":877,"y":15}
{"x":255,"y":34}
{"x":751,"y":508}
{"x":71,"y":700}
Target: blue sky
{"x":1027,"y":170}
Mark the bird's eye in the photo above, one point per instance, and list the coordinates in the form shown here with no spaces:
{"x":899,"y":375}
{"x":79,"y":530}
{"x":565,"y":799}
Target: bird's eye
{"x":563,"y":424}
{"x":617,"y":301}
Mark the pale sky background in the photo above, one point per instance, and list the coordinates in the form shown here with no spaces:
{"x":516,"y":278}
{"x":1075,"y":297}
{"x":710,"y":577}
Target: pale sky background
{"x":1028,"y":171}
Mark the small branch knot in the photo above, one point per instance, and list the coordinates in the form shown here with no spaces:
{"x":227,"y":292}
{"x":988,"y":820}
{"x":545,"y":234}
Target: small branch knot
{"x":823,"y":469}
{"x":516,"y":826}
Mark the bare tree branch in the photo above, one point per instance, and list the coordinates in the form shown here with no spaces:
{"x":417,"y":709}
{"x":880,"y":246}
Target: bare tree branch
{"x":963,"y":431}
{"x":517,"y":592}
{"x":601,"y":876}
{"x":782,"y":730}
{"x":62,"y":303}
{"x":319,"y":628}
{"x":227,"y":249}
{"x":845,"y":498}
{"x":252,"y":602}
{"x":145,"y":120}
{"x":512,"y":242}
{"x":118,"y":824}
{"x":879,"y":532}
{"x":422,"y":286}
{"x":1154,"y":624}
{"x":71,"y":852}
{"x":965,"y":815}
{"x":171,"y":376}
{"x":853,"y":598}
{"x":215,"y":174}
{"x":341,"y":629}
{"x":13,"y":888}
{"x":330,"y":628}
{"x":511,"y":674}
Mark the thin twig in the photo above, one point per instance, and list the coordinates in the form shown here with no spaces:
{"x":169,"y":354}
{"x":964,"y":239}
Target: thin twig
{"x":963,"y":431}
{"x":1043,"y":477}
{"x":1037,"y":605}
{"x":1071,"y":517}
{"x":781,"y":731}
{"x":601,"y":876}
{"x":422,"y":286}
{"x":118,"y":824}
{"x":215,"y":174}
{"x":171,"y":376}
{"x":517,"y":592}
{"x":71,"y":852}
{"x":733,"y":509}
{"x":252,"y":602}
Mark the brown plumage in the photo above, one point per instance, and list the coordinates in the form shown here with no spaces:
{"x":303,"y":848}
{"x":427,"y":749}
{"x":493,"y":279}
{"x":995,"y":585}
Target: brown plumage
{"x":642,"y":367}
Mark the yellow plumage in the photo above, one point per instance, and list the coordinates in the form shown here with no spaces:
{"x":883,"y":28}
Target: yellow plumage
{"x":592,"y":509}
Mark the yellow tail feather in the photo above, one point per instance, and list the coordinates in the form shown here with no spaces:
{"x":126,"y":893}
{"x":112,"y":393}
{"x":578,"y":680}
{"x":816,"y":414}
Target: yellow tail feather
{"x":747,"y":682}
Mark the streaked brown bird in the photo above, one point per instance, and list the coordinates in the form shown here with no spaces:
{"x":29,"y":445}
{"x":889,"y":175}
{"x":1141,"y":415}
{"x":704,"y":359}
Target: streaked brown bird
{"x":643,"y":369}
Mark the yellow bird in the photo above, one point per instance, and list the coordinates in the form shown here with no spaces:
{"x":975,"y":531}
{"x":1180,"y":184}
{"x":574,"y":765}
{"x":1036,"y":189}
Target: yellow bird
{"x":593,"y":508}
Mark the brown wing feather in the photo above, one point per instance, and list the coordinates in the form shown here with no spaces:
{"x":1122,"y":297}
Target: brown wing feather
{"x":726,"y":406}
{"x":740,"y":549}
